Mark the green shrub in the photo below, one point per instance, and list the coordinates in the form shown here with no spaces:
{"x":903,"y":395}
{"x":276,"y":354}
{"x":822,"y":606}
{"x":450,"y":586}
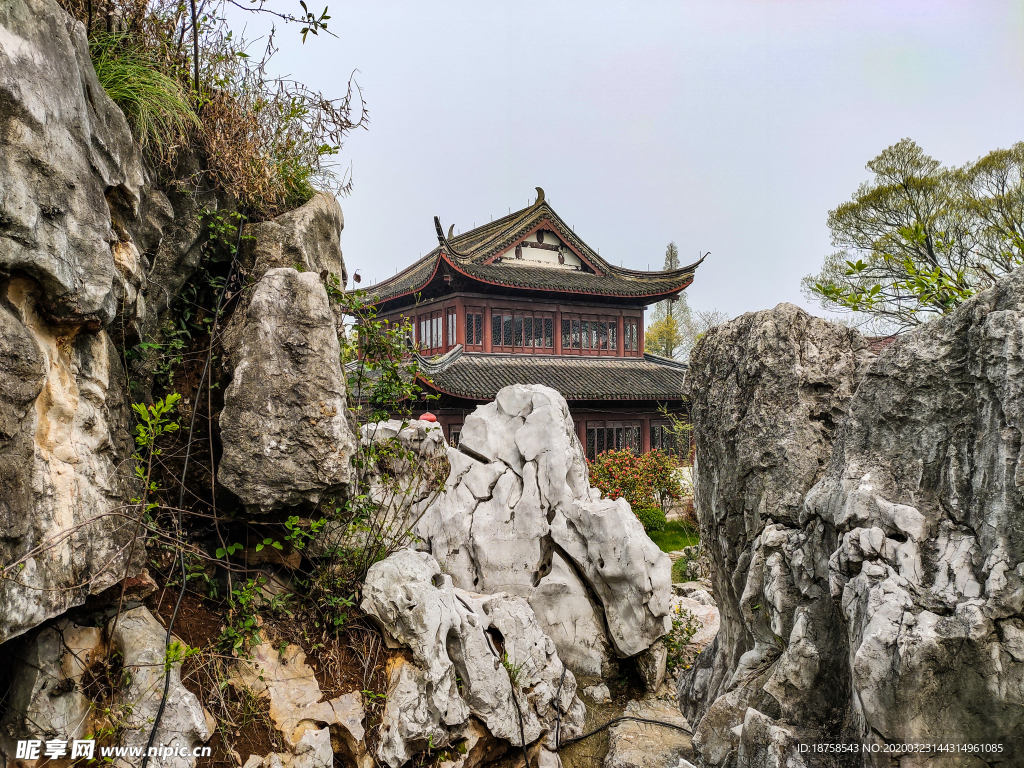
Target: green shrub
{"x":684,"y":626}
{"x":156,"y":105}
{"x":653,"y":518}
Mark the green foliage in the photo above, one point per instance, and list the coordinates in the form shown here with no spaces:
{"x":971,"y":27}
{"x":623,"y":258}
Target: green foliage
{"x":515,"y":671}
{"x":154,"y":421}
{"x":652,"y":518}
{"x":920,"y":239}
{"x":679,"y":574}
{"x":243,"y":622}
{"x":645,"y":480}
{"x":176,"y":653}
{"x":684,"y":626}
{"x":157,"y":107}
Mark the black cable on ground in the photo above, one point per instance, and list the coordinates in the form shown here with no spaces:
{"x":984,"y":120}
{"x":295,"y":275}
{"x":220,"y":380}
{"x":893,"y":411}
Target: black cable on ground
{"x":522,"y":730}
{"x":181,"y":494}
{"x":621,"y":719}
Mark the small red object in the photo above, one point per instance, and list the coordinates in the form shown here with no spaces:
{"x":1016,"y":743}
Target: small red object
{"x":428,"y":416}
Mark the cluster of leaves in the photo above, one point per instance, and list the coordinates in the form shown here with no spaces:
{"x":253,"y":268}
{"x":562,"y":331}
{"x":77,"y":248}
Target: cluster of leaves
{"x":645,"y":480}
{"x":684,"y":626}
{"x":920,"y":239}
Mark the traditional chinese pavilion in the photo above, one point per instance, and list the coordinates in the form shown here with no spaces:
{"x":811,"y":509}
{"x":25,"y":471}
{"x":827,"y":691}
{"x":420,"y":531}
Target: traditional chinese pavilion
{"x":524,"y":299}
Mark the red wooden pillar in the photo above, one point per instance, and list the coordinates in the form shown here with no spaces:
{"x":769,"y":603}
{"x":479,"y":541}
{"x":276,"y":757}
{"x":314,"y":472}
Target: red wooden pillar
{"x":620,"y":342}
{"x":640,"y":330}
{"x":487,"y":327}
{"x":558,"y":331}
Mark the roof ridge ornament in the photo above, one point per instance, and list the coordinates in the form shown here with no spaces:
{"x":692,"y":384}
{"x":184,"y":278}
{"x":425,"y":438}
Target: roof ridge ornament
{"x":444,"y":240}
{"x":540,"y":196}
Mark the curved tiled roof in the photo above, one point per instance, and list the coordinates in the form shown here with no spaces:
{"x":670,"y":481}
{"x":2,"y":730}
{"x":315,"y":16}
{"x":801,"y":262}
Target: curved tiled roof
{"x":474,"y":254}
{"x":480,"y":376}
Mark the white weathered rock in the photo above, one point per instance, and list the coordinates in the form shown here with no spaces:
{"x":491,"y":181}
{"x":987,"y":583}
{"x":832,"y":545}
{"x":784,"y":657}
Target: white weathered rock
{"x":139,"y":639}
{"x":599,"y":693}
{"x":313,"y":750}
{"x":282,"y":677}
{"x":518,"y":515}
{"x":861,"y":518}
{"x":308,"y":236}
{"x":472,"y":654}
{"x":285,"y":426}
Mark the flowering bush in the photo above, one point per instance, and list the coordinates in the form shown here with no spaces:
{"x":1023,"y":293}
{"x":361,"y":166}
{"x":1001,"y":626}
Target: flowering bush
{"x":648,"y":480}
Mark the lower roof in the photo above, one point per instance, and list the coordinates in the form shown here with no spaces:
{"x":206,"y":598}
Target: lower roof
{"x":479,"y":376}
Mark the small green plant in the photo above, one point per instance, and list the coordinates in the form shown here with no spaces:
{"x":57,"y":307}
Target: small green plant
{"x":652,"y":518}
{"x":298,"y":536}
{"x":269,"y":542}
{"x":177,"y":653}
{"x":229,"y":550}
{"x":243,"y":621}
{"x":154,"y":421}
{"x":684,"y":626}
{"x":515,"y":671}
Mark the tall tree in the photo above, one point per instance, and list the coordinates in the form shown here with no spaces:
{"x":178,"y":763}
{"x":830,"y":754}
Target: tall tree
{"x":674,"y":327}
{"x":664,"y":336}
{"x":920,"y":238}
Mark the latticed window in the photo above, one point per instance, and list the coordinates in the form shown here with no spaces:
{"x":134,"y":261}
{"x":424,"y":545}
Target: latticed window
{"x":431,"y":329}
{"x":613,"y":436}
{"x":474,"y":327}
{"x":521,"y":331}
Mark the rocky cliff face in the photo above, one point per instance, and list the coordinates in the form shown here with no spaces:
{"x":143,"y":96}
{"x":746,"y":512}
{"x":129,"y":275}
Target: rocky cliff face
{"x":70,"y":176}
{"x":864,"y":521}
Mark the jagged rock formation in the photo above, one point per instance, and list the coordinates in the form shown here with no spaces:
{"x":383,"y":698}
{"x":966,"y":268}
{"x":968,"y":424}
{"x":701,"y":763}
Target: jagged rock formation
{"x":285,"y":425}
{"x":70,"y":178}
{"x":69,"y":166}
{"x":474,"y":656}
{"x":634,"y":744}
{"x":139,"y":640}
{"x":518,"y":515}
{"x":864,"y":521}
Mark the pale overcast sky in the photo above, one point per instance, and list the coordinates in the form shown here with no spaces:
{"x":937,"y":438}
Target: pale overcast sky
{"x":729,"y":127}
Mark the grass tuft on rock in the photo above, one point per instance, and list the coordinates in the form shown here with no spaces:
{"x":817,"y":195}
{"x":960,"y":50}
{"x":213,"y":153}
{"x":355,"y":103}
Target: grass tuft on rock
{"x":156,"y":105}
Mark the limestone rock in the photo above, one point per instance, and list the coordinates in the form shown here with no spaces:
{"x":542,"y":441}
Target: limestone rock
{"x":634,"y":744}
{"x":67,"y":166}
{"x":767,"y":391}
{"x":307,"y":236}
{"x":285,"y":428}
{"x":65,"y":463}
{"x":473,"y":654}
{"x":518,"y":515}
{"x":283,"y":678}
{"x":313,"y":750}
{"x":860,"y":514}
{"x":139,"y":639}
{"x":599,"y":693}
{"x":45,"y":700}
